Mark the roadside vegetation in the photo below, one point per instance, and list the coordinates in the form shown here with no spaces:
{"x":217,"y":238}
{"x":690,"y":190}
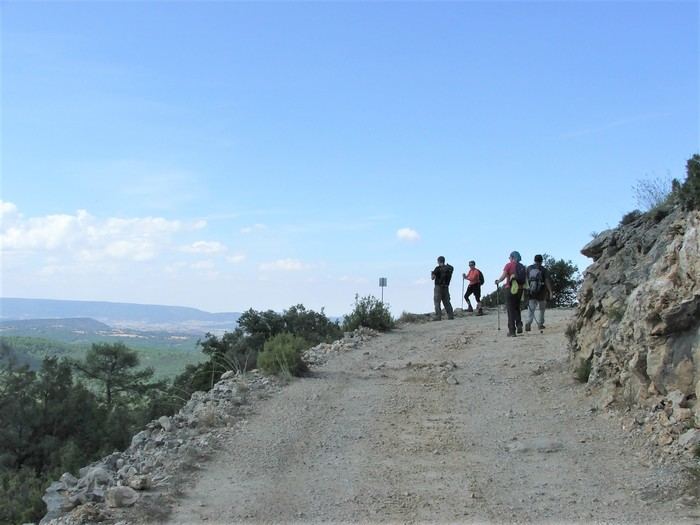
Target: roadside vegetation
{"x":61,"y":412}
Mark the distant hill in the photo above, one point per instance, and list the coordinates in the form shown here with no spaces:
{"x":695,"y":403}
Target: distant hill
{"x":136,"y":316}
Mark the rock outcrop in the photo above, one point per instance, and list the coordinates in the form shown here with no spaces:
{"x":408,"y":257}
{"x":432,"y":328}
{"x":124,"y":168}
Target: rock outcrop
{"x":638,"y":320}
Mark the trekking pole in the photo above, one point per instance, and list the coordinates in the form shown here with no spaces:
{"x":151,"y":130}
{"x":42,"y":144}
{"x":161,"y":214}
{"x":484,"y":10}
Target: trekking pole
{"x":498,"y":308}
{"x":462,"y":293}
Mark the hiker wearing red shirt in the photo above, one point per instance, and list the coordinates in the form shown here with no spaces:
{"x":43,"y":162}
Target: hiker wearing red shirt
{"x":515,"y":275}
{"x":476,"y":279}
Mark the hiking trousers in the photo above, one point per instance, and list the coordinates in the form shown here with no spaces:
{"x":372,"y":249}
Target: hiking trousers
{"x":532,"y":305}
{"x":441,"y":294}
{"x":513,"y":310}
{"x":473,"y":289}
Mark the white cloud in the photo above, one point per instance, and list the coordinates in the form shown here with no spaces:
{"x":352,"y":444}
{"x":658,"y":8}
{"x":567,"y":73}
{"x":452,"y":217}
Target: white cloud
{"x":285,"y":265}
{"x":203,"y":265}
{"x":204,"y":247}
{"x":88,"y":238}
{"x":408,"y":234}
{"x":7,"y":208}
{"x":353,"y":280}
{"x":254,"y":228}
{"x":237,"y":258}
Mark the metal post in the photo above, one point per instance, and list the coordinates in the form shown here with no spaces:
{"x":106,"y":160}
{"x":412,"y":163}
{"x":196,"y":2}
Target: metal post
{"x":382,"y":285}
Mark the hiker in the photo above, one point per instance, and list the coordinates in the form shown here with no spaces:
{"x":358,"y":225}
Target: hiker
{"x":476,"y":279}
{"x":442,"y":274}
{"x":515,"y":275}
{"x":539,"y":288}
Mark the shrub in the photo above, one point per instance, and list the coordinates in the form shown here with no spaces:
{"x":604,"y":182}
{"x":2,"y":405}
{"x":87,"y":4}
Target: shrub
{"x":583,"y":371}
{"x":571,"y":332}
{"x":652,"y":193}
{"x":282,"y":355}
{"x":407,"y":317}
{"x":369,"y":312}
{"x":630,"y":217}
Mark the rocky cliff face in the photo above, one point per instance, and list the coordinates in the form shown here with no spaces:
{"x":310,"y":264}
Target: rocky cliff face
{"x":638,"y":321}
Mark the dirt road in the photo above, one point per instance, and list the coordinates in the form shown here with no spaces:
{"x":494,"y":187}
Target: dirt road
{"x":445,"y":421}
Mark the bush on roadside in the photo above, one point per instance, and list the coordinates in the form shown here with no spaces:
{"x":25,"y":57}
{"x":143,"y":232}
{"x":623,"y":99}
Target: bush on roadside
{"x":282,"y":355}
{"x":583,"y":371}
{"x":407,"y":317}
{"x":369,"y":312}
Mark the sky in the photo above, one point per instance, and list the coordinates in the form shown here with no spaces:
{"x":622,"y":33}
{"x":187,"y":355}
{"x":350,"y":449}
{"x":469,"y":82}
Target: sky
{"x":229,"y":155}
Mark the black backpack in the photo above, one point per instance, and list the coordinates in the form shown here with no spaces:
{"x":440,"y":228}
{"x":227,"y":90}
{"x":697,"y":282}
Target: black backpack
{"x":520,"y":274}
{"x":535,"y":280}
{"x":481,"y":278}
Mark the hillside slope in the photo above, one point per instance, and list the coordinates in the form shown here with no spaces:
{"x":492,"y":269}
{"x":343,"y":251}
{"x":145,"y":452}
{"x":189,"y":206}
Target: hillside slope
{"x":443,"y":422}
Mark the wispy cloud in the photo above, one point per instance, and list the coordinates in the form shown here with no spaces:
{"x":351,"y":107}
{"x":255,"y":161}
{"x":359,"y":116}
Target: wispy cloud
{"x":284,"y":265}
{"x":253,"y":228}
{"x":620,"y":122}
{"x":236,"y":258}
{"x":408,"y":234}
{"x":353,"y":280}
{"x":204,"y":247}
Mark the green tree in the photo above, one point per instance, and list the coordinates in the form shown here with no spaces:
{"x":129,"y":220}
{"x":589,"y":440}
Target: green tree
{"x":260,"y":326}
{"x":688,"y":192}
{"x":566,"y":281}
{"x":114,"y":366}
{"x":19,"y":415}
{"x":314,"y":327}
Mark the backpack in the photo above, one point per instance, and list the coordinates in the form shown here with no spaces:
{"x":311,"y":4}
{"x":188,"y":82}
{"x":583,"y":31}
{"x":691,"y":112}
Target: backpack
{"x":535,"y":280}
{"x":481,"y":278}
{"x":520,"y":274}
{"x":448,"y":274}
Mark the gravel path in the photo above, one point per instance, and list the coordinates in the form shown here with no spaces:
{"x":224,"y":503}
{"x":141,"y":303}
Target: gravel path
{"x":436,"y":422}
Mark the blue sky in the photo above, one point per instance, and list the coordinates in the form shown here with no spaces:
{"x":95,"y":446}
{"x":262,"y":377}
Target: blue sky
{"x":227,"y":155}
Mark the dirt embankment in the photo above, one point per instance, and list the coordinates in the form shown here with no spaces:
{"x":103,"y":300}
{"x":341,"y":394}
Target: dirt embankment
{"x":436,"y":422}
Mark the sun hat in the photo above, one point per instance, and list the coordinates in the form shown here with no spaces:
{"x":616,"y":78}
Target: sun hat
{"x":516,"y":256}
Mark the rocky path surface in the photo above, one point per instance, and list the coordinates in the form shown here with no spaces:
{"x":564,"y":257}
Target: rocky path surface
{"x":434,"y":422}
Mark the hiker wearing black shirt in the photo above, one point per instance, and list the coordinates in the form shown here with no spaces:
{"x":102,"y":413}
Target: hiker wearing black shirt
{"x":442,"y":274}
{"x":539,"y":289}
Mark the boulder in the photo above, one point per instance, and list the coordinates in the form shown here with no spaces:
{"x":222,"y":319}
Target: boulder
{"x":117,"y":497}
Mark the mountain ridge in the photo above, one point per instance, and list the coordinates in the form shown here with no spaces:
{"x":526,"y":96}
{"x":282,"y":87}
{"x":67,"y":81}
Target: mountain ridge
{"x":115,"y":313}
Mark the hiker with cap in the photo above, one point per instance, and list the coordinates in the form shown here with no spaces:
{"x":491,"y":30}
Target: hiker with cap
{"x":476,"y":279}
{"x":442,"y":275}
{"x":515,"y":275}
{"x":539,"y":288}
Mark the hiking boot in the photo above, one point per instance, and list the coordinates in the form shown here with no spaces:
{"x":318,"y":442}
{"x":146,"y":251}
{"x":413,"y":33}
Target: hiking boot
{"x":541,"y":327}
{"x":527,"y":327}
{"x":520,"y":328}
{"x":510,"y":334}
{"x":450,"y":318}
{"x":470,"y":309}
{"x":479,"y":312}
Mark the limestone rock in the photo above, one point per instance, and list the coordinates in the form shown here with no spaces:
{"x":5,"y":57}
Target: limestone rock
{"x":690,"y":439}
{"x":639,"y":308}
{"x":165,"y":423}
{"x":121,"y":497}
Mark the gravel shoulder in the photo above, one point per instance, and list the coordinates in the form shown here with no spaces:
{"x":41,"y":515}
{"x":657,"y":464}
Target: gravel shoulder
{"x":445,"y":421}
